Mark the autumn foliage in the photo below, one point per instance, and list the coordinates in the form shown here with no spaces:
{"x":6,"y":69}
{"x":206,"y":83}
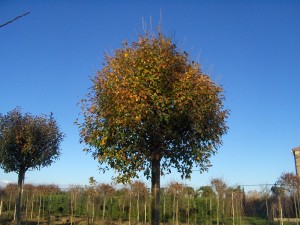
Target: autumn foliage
{"x":150,"y":100}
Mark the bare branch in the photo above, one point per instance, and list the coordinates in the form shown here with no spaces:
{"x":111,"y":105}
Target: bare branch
{"x":18,"y":17}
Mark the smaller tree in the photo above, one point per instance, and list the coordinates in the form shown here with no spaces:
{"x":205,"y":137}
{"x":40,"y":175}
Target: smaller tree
{"x":139,"y":191}
{"x":219,"y":186}
{"x":279,"y":192}
{"x":291,"y":183}
{"x":105,"y":190}
{"x":176,"y":189}
{"x":27,"y":142}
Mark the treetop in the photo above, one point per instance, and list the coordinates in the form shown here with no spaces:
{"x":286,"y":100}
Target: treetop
{"x":27,"y":141}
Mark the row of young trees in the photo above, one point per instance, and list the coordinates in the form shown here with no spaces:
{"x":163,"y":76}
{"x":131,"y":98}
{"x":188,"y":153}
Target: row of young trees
{"x":216,"y":203}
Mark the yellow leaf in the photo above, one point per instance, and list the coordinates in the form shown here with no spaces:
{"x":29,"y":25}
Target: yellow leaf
{"x":103,"y":141}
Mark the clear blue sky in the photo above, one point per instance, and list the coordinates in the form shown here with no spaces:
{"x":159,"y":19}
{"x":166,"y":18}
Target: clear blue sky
{"x":251,"y":48}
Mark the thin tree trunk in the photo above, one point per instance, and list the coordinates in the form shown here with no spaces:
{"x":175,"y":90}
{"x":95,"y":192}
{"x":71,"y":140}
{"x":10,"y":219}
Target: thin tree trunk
{"x":164,"y":208}
{"x":155,"y":190}
{"x":26,"y":207}
{"x":177,"y":210}
{"x":1,"y":205}
{"x":71,"y":208}
{"x":295,"y":205}
{"x":87,"y":209}
{"x":50,"y":207}
{"x":232,"y":207}
{"x":32,"y":204}
{"x":43,"y":208}
{"x":188,"y":211}
{"x":75,"y":202}
{"x":273,"y":211}
{"x":223,"y":209}
{"x":93,"y":212}
{"x":138,"y":207}
{"x":206,"y":211}
{"x":218,"y":208}
{"x":15,"y":212}
{"x":40,"y":205}
{"x":174,"y":208}
{"x":145,"y":211}
{"x":111,"y":208}
{"x":129,"y":213}
{"x":195,"y":207}
{"x":9,"y":204}
{"x":21,"y":178}
{"x":241,"y":210}
{"x":120,"y":210}
{"x":267,"y":207}
{"x":280,"y":210}
{"x":210,"y":211}
{"x":103,"y":211}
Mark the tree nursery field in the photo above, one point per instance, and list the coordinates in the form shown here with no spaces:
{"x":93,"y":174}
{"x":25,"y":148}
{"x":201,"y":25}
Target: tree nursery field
{"x":105,"y":204}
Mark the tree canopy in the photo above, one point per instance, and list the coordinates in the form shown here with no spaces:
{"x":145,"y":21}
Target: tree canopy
{"x":151,"y":101}
{"x":27,"y":141}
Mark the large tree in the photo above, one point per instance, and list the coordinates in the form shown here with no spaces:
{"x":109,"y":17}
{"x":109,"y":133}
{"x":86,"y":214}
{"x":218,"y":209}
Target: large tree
{"x":27,"y":142}
{"x":150,"y":109}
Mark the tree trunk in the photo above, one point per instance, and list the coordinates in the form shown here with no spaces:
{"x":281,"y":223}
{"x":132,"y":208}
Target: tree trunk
{"x":104,"y":207}
{"x":174,"y":208}
{"x":15,"y":210}
{"x":87,"y":208}
{"x":71,"y":208}
{"x":145,"y":211}
{"x":267,"y":207}
{"x":1,"y":204}
{"x":218,"y":208}
{"x":241,"y":210}
{"x":40,"y":205}
{"x":49,"y":207}
{"x":21,"y":177}
{"x":9,"y":204}
{"x":232,"y":208}
{"x":177,"y":210}
{"x":188,"y":211}
{"x":223,"y":209}
{"x":138,"y":207}
{"x":196,"y":211}
{"x":164,"y":208}
{"x":75,"y":202}
{"x":210,"y":211}
{"x":93,"y":212}
{"x":129,"y":212}
{"x":32,"y":204}
{"x":155,"y":190}
{"x":206,"y":212}
{"x":280,"y":210}
{"x":111,"y":208}
{"x":295,"y":205}
{"x":26,"y":208}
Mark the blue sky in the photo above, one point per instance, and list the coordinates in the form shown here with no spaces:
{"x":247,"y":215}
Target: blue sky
{"x":251,"y":48}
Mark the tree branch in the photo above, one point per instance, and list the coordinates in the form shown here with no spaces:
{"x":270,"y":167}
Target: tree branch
{"x":18,"y":17}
